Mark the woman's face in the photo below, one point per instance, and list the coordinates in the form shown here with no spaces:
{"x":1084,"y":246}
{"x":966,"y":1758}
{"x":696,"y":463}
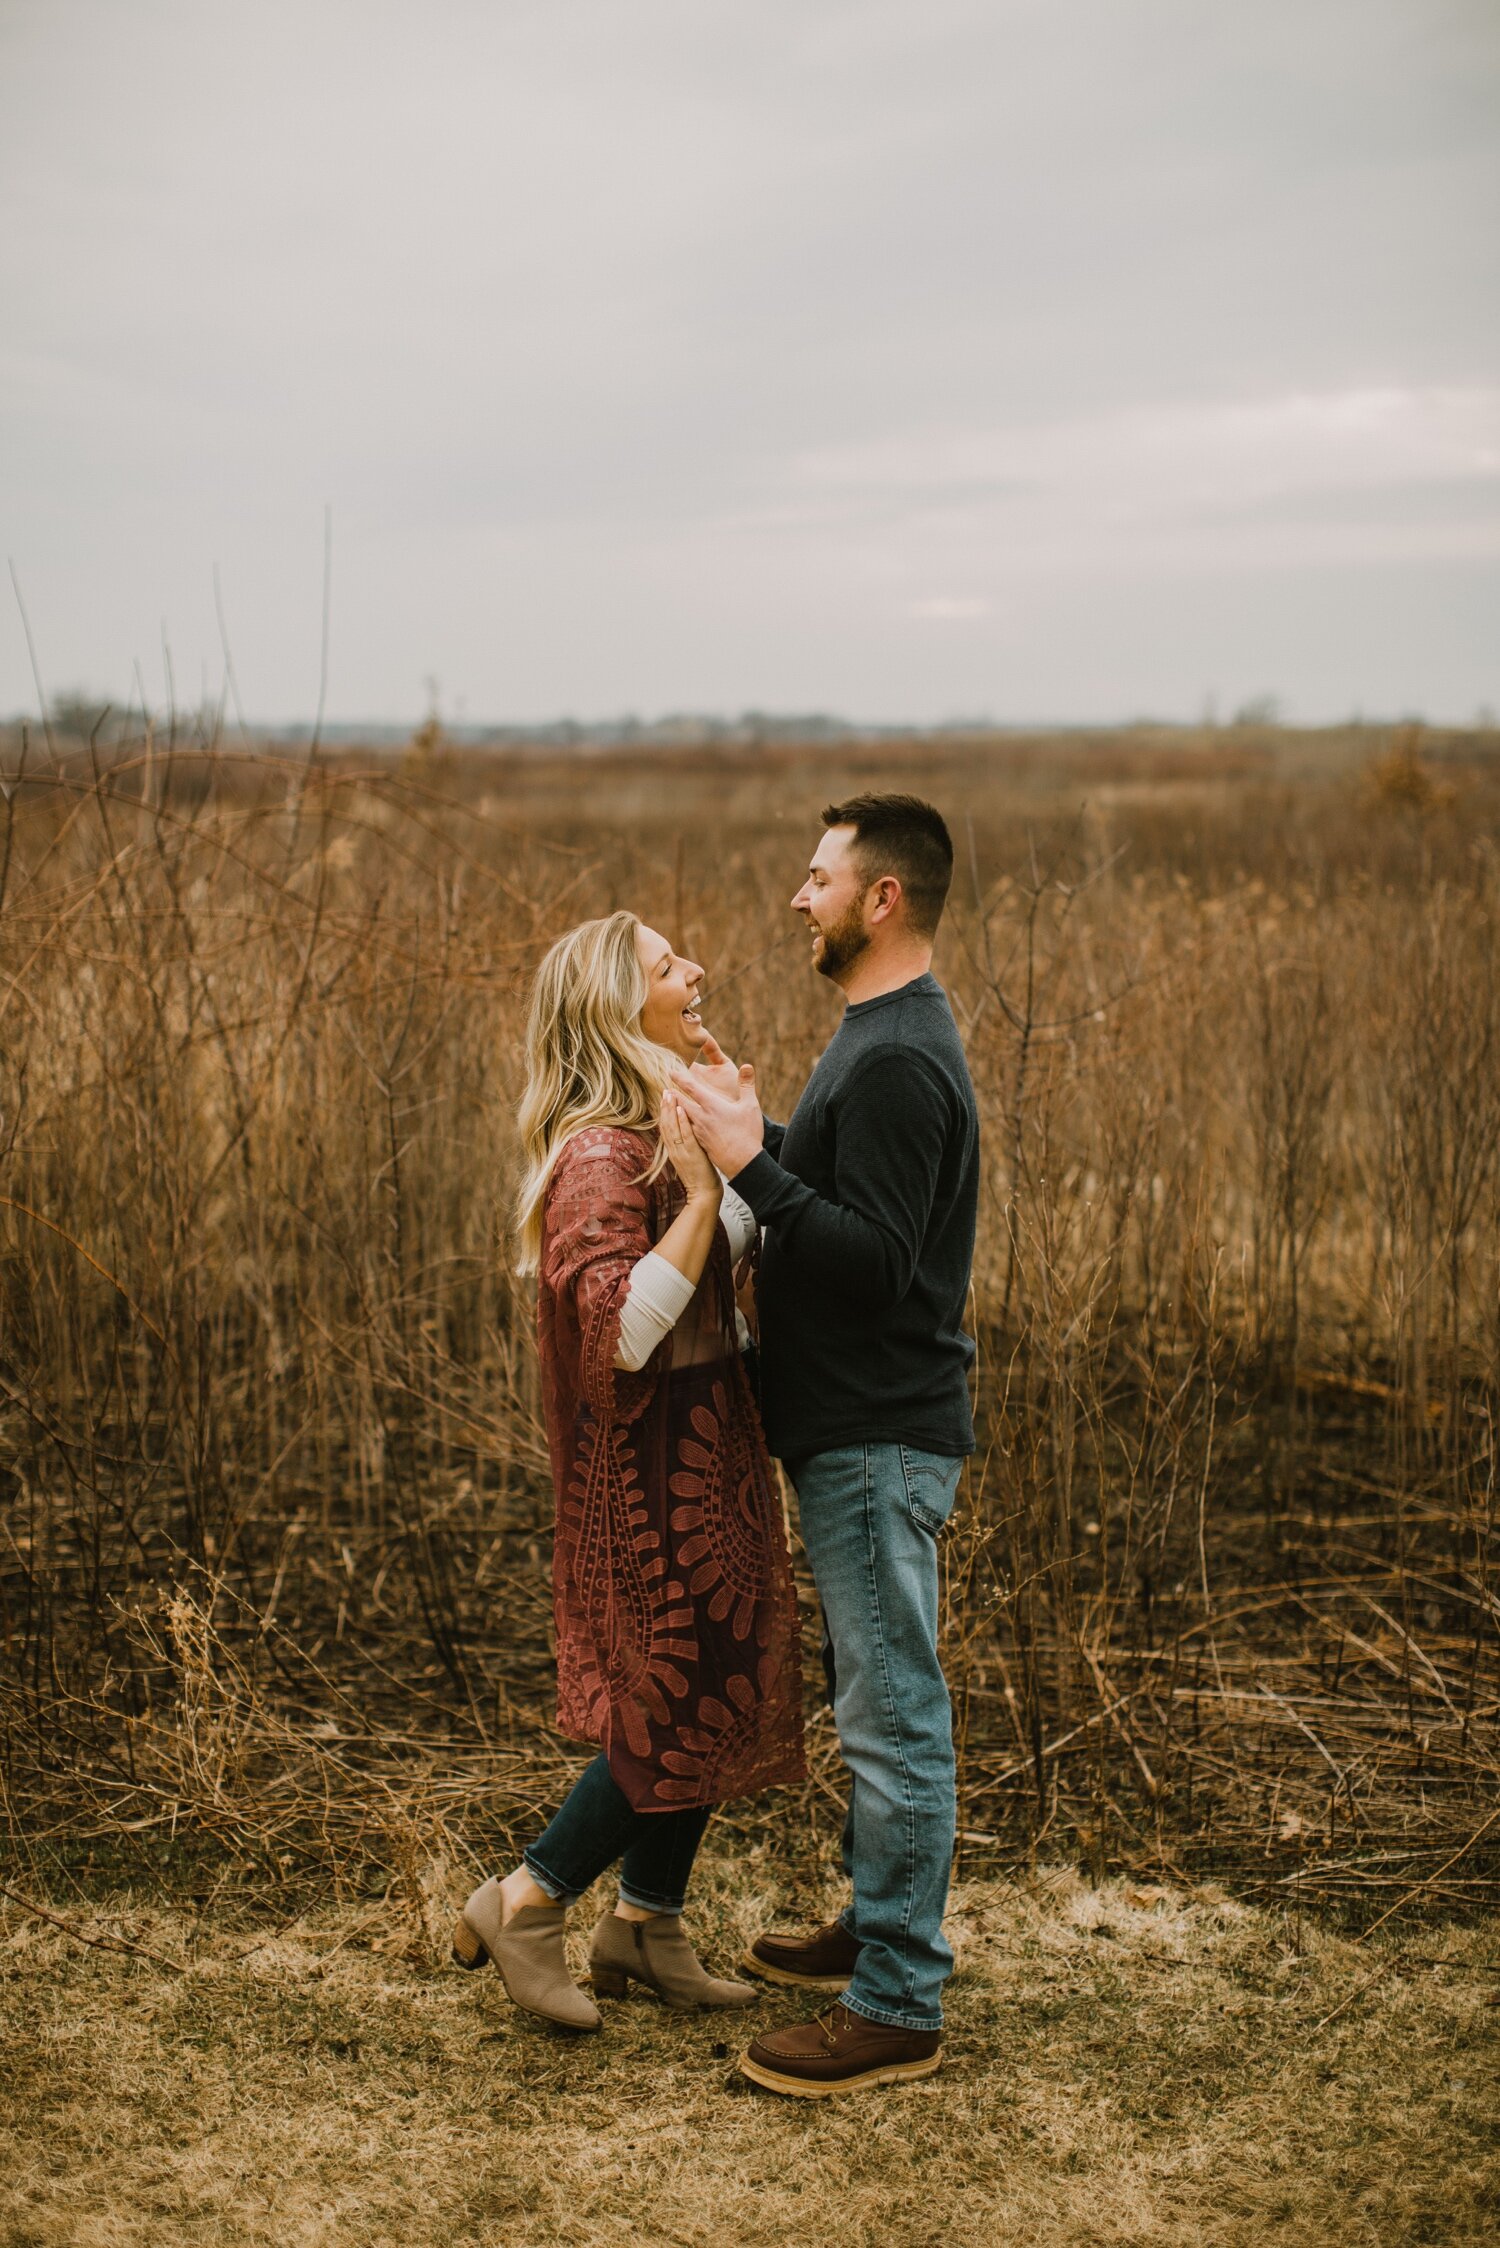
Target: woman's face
{"x":670,"y":1015}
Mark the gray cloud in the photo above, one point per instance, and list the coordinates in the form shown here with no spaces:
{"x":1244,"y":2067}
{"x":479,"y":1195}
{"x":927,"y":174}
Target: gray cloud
{"x":1441,"y":500}
{"x":831,"y":352}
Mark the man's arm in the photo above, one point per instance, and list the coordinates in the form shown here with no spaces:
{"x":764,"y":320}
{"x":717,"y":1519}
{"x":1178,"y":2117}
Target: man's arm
{"x":892,"y":1123}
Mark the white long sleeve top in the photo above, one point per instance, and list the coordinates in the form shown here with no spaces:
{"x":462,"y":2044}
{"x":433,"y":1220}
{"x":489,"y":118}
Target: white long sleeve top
{"x":659,"y":1294}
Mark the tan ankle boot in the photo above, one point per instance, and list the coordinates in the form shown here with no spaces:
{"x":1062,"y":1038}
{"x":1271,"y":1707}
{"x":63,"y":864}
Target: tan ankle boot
{"x":527,"y":1949}
{"x":657,"y":1953}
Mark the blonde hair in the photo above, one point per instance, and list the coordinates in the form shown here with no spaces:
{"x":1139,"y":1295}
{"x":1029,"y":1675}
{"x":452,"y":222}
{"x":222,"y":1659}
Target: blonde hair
{"x":587,"y":1059}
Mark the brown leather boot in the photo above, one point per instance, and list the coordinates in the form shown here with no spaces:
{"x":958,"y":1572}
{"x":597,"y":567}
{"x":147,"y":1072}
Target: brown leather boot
{"x":840,"y":2052}
{"x":528,"y":1951}
{"x":822,"y":1961}
{"x":657,"y":1953}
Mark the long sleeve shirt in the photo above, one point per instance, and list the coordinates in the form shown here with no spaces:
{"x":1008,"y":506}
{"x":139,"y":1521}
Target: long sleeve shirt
{"x":867,"y":1201}
{"x":659,"y":1294}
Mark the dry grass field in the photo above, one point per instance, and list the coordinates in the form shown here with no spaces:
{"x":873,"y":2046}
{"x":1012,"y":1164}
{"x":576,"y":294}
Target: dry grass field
{"x":1221,"y":1596}
{"x":1128,"y":2066}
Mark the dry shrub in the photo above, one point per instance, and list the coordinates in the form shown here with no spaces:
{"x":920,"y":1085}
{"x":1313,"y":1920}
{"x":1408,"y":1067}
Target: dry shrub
{"x":1400,"y":775}
{"x":1222,"y":1587}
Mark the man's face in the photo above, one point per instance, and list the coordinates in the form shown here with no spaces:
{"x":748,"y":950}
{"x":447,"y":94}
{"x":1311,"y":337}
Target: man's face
{"x":832,"y":902}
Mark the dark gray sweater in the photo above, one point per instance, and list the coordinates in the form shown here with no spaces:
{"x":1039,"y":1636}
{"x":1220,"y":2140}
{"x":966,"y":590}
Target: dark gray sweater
{"x":868,"y":1200}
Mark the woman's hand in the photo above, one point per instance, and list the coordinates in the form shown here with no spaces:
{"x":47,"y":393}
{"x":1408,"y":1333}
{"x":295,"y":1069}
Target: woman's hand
{"x":700,"y":1180}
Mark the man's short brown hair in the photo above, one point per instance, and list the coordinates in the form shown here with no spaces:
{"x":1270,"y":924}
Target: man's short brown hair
{"x":904,"y":836}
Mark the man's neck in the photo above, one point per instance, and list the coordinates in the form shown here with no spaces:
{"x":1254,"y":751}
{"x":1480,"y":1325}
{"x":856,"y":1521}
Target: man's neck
{"x":875,"y":975}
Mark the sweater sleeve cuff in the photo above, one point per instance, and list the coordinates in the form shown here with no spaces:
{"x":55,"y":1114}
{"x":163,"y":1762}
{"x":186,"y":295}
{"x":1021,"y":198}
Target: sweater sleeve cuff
{"x":662,"y":1286}
{"x":758,"y":1183}
{"x":655,"y":1300}
{"x":738,"y":1221}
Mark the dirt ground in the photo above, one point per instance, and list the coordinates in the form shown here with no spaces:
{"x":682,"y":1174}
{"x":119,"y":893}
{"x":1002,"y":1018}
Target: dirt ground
{"x":1131,"y":2065}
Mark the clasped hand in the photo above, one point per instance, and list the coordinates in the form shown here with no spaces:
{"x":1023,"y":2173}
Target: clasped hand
{"x":695,"y":1172}
{"x":724,"y":1109}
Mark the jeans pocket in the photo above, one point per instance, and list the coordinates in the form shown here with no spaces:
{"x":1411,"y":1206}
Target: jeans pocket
{"x":931,"y":1480}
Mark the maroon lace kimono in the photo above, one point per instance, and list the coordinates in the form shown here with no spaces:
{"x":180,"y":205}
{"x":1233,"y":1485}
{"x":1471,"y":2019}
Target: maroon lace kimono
{"x":677,"y":1646}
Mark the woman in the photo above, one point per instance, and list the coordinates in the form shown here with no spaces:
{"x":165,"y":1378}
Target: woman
{"x":676,"y":1615}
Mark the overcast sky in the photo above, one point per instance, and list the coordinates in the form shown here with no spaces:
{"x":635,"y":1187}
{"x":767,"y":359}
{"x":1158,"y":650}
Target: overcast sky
{"x":903,"y":358}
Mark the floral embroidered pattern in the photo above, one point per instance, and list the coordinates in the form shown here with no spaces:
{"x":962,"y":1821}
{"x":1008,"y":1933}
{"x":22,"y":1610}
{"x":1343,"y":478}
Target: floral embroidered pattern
{"x":726,"y":1543}
{"x":677,"y":1646}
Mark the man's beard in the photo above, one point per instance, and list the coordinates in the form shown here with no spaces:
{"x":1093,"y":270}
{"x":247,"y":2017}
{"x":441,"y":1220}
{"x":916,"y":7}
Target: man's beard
{"x":843,"y":941}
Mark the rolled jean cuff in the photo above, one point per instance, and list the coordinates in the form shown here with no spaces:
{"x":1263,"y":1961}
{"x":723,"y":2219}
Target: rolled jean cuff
{"x":889,"y":2020}
{"x":556,"y":1890}
{"x":646,"y":1902}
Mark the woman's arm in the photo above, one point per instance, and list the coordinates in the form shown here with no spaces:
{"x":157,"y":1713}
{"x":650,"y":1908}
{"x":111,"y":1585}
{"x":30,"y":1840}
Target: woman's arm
{"x":596,"y":1235}
{"x":689,"y":1238}
{"x":627,"y":1295}
{"x":656,"y":1299}
{"x":659,"y":1293}
{"x":663,"y":1282}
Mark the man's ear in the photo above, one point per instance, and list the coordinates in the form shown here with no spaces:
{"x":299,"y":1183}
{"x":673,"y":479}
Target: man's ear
{"x":887,"y":896}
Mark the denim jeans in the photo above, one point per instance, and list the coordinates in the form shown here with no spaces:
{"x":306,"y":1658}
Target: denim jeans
{"x":596,"y":1825}
{"x":870,"y":1517}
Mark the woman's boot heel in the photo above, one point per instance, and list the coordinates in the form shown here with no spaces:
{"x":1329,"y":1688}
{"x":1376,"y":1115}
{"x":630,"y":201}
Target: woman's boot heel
{"x":609,"y":1982}
{"x":468,"y":1951}
{"x":527,"y":1949}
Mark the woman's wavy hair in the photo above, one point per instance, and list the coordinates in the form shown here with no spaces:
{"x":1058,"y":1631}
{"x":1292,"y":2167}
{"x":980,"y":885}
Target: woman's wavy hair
{"x":587,"y":1059}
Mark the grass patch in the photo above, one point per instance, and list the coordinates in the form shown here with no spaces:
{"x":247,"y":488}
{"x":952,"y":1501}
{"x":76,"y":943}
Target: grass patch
{"x":1130,"y":2065}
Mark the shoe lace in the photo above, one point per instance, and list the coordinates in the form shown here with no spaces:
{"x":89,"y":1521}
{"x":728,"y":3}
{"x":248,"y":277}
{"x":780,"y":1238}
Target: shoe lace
{"x":827,"y":2023}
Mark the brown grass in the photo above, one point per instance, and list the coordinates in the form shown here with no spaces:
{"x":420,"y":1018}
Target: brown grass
{"x":1132,"y":2065}
{"x":273,"y":1499}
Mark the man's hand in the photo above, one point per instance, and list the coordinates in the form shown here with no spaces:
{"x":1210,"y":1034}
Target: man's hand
{"x":727,"y":1120}
{"x":713,"y":1067}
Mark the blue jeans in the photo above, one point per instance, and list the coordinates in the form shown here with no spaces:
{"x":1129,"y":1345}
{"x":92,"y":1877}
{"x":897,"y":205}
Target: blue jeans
{"x":596,"y":1825}
{"x":870,"y":1516}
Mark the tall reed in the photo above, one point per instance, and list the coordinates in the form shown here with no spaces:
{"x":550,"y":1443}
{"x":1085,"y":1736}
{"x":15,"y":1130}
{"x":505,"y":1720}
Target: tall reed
{"x":1235,"y":1032}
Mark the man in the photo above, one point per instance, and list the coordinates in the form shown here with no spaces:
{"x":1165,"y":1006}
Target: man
{"x":867,"y":1202}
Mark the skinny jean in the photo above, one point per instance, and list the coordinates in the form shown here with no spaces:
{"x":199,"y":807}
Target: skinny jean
{"x":596,"y":1825}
